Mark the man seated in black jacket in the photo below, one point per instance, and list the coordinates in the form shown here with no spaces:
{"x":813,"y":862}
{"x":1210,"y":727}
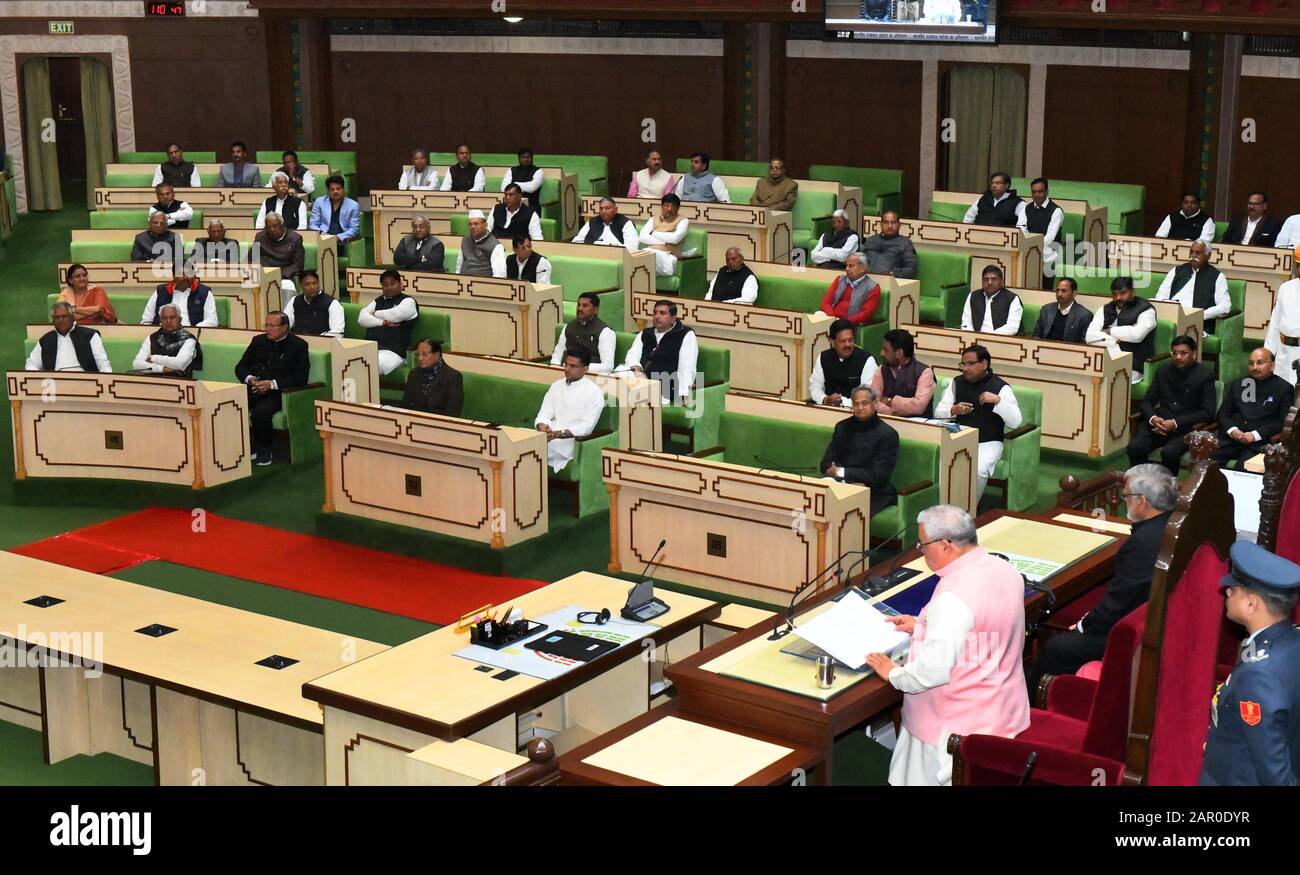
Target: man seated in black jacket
{"x":273,"y":362}
{"x":1253,"y":410}
{"x":864,"y":449}
{"x":420,"y":250}
{"x":1257,"y":227}
{"x":1181,"y":396}
{"x":1066,"y":320}
{"x":157,"y":243}
{"x":1150,"y":493}
{"x":433,"y":386}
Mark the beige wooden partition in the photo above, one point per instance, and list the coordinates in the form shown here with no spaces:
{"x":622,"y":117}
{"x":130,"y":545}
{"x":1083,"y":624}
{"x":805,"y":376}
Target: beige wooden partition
{"x":958,"y":451}
{"x":1019,"y":255}
{"x":491,"y":316}
{"x":248,"y":288}
{"x":730,"y":528}
{"x":1263,"y":268}
{"x":761,"y":234}
{"x":847,"y":197}
{"x":354,"y":363}
{"x":327,"y":248}
{"x":1095,"y":231}
{"x":1085,"y":388}
{"x":434,"y":473}
{"x":1186,"y":319}
{"x":152,"y":429}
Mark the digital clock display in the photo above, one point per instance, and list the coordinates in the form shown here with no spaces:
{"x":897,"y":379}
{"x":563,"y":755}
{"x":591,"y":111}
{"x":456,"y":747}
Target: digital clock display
{"x":154,"y":8}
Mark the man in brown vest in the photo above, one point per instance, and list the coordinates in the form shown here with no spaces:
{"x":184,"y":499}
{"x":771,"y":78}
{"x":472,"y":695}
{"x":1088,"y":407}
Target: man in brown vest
{"x":664,"y":234}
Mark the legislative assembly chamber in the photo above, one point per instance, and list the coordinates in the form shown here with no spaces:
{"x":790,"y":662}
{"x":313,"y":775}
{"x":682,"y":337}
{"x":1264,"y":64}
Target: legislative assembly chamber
{"x":725,"y":393}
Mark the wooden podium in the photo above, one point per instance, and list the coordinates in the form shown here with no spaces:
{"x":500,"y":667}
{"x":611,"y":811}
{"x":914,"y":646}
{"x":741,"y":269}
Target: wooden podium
{"x":489,"y":316}
{"x":1263,"y":268}
{"x":435,"y":473}
{"x":760,"y":233}
{"x":1019,"y":255}
{"x":1085,"y":388}
{"x":121,"y":427}
{"x":732,"y":529}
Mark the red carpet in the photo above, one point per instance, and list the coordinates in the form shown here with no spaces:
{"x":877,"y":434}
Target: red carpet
{"x":302,"y":563}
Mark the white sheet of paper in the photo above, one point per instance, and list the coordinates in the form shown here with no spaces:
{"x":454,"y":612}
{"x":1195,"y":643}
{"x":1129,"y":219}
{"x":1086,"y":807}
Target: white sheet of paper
{"x":851,"y":630}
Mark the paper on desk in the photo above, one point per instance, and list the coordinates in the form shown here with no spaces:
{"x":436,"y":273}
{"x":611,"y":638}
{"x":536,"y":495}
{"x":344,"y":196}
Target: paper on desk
{"x":851,"y":630}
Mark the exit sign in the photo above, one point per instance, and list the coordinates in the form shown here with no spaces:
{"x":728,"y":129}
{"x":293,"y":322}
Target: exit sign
{"x":62,"y":27}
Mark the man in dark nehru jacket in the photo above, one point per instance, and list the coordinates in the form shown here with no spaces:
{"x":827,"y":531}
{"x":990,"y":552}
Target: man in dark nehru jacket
{"x":1255,"y":722}
{"x":864,"y":449}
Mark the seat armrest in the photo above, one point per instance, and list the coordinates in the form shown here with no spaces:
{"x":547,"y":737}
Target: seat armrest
{"x":1018,"y":432}
{"x":916,"y":487}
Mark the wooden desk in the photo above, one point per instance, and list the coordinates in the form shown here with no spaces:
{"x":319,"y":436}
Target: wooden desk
{"x":392,"y":211}
{"x":1085,"y":388}
{"x":119,"y":427}
{"x":1095,"y":229}
{"x":1263,"y":268}
{"x":213,"y":202}
{"x":354,"y":364}
{"x":327,"y":249}
{"x":704,"y":691}
{"x":253,"y":291}
{"x":379,"y":710}
{"x":491,"y":316}
{"x":957,"y":451}
{"x":638,"y":398}
{"x":730,"y":528}
{"x":1019,"y":255}
{"x":1186,"y":320}
{"x":761,"y":234}
{"x":434,"y":473}
{"x":681,"y":750}
{"x":773,"y":351}
{"x":192,"y":703}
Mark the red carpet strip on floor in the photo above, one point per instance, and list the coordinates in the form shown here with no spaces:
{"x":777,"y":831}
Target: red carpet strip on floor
{"x":302,"y":563}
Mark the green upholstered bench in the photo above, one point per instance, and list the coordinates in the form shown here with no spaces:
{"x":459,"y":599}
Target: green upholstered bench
{"x":691,"y":275}
{"x":1016,"y":473}
{"x":129,"y":308}
{"x":1125,"y":204}
{"x":516,"y":402}
{"x":945,"y":282}
{"x":430,"y":323}
{"x":296,"y":420}
{"x":159,"y":157}
{"x":550,"y":191}
{"x":714,"y":364}
{"x":134,"y":220}
{"x":797,"y":446}
{"x":881,"y":189}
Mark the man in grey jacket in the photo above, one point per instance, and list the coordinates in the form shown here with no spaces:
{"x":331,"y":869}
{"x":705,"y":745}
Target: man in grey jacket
{"x":889,"y":252}
{"x":239,"y":173}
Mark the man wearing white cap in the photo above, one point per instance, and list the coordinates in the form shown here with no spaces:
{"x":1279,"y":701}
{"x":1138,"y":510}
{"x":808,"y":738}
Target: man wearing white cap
{"x":835,"y":246}
{"x":480,"y":253}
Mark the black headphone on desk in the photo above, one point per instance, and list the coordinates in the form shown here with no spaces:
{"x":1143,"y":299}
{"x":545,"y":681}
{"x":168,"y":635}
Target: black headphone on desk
{"x":597,"y":618}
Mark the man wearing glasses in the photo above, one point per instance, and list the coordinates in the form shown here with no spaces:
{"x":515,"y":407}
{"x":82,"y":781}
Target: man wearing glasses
{"x":864,"y":449}
{"x":1150,"y":493}
{"x":1257,"y":227}
{"x":979,"y":399}
{"x":964,"y":672}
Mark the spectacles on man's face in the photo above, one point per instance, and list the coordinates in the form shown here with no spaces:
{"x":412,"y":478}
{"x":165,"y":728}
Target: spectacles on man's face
{"x":921,"y":545}
{"x":966,"y":364}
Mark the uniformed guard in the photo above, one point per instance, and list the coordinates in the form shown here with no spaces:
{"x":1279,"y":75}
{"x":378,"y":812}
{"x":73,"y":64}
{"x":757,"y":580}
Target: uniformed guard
{"x":1255,"y":723}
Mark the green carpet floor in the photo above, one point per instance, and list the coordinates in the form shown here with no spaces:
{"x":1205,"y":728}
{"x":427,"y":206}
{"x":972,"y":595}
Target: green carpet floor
{"x":284,"y":497}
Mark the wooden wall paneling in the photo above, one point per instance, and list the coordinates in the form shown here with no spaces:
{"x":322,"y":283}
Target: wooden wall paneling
{"x":1269,"y":101}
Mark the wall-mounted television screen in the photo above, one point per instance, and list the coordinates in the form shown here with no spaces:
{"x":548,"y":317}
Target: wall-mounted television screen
{"x":926,"y":21}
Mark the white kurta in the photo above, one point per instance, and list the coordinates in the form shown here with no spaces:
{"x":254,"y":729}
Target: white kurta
{"x":181,"y":298}
{"x":1222,"y":303}
{"x":1135,"y":333}
{"x":948,"y":622}
{"x":571,"y":407}
{"x":1011,"y":327}
{"x":631,"y":242}
{"x":990,"y":452}
{"x":418,"y":181}
{"x":665,"y":262}
{"x":1285,"y":320}
{"x":973,"y":210}
{"x":605,"y":345}
{"x":178,"y":362}
{"x":822,"y":253}
{"x":65,"y":355}
{"x":1207,"y":228}
{"x":817,"y":382}
{"x":1051,"y":237}
{"x":687,"y":358}
{"x":405,"y":311}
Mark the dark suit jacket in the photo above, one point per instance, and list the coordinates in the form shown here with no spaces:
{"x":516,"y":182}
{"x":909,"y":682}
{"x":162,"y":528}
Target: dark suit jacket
{"x":1265,"y":234}
{"x":445,"y":395}
{"x":427,"y":257}
{"x":1265,"y":414}
{"x":1076,"y":324}
{"x":146,"y":248}
{"x":1131,"y":585}
{"x":867,"y":453}
{"x":1186,"y":398}
{"x":284,"y":361}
